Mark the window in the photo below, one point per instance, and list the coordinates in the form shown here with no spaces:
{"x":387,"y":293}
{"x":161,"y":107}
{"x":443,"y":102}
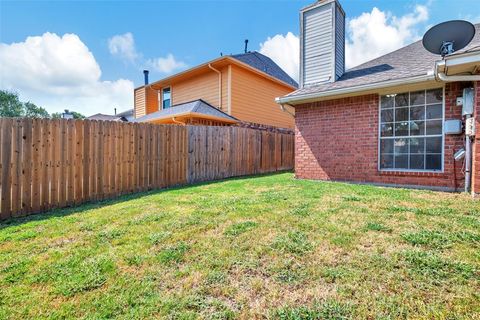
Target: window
{"x":166,"y":98}
{"x":411,"y":131}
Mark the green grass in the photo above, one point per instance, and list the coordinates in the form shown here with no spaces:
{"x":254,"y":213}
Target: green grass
{"x":263,"y":247}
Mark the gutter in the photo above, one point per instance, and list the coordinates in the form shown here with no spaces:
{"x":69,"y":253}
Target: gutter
{"x":370,"y":86}
{"x":219,"y":85}
{"x":443,"y":77}
{"x":452,"y":61}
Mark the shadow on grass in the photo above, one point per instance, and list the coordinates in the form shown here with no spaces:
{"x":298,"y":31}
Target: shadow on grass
{"x":62,"y":212}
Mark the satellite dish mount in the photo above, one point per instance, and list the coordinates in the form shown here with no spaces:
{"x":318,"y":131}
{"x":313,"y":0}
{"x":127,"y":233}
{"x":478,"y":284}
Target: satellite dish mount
{"x":447,"y":37}
{"x":446,"y":48}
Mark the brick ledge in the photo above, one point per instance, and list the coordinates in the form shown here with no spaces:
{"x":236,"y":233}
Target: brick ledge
{"x":413,"y":174}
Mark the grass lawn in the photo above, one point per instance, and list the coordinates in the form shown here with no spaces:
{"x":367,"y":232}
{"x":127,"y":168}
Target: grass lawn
{"x":261,"y":247}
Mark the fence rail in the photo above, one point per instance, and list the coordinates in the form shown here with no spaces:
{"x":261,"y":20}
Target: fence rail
{"x":48,"y":164}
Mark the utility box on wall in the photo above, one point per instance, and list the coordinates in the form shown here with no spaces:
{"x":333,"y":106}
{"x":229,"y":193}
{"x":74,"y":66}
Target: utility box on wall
{"x":467,"y":107}
{"x":453,"y":126}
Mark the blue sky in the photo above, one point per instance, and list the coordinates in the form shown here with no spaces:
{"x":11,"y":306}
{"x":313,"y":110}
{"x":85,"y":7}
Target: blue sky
{"x":167,"y":36}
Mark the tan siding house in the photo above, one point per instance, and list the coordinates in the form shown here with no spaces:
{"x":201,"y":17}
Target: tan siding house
{"x":243,"y":87}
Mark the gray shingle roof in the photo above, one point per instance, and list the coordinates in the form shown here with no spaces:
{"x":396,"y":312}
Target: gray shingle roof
{"x":410,"y":61}
{"x":197,"y":106}
{"x":127,"y":113}
{"x":265,"y":64}
{"x":106,"y":117}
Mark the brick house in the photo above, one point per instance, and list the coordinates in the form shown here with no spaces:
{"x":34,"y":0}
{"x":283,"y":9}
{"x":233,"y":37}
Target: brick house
{"x":387,"y":121}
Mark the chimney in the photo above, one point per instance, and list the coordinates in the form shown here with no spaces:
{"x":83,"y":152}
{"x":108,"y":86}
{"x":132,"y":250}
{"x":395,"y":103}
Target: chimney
{"x":246,"y":45}
{"x":145,"y":75}
{"x":322,"y":43}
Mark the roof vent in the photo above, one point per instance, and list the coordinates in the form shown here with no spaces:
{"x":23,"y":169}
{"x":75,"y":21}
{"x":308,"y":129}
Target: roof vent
{"x":322,"y":42}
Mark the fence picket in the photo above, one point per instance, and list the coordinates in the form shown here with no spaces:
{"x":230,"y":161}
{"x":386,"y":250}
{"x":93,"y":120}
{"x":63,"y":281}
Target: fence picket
{"x":57,"y":163}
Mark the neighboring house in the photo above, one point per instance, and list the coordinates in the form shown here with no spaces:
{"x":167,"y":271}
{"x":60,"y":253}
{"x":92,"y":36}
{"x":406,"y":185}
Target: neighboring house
{"x":126,"y":116}
{"x":382,"y":122}
{"x":240,"y":88}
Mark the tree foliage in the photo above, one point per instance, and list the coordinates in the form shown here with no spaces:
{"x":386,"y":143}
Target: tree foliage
{"x":76,"y":115}
{"x":11,"y":106}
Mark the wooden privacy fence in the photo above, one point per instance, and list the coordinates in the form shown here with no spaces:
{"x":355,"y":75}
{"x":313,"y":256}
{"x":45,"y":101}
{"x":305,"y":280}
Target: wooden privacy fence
{"x":48,"y":164}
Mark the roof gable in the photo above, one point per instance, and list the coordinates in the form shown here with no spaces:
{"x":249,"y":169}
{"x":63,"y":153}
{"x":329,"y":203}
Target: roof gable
{"x":407,"y":62}
{"x":265,"y":64}
{"x":197,"y":106}
{"x":254,"y":61}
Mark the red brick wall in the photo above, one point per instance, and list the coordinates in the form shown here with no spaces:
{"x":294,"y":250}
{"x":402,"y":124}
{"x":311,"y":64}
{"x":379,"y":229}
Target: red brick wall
{"x":476,"y":144}
{"x":338,"y":140}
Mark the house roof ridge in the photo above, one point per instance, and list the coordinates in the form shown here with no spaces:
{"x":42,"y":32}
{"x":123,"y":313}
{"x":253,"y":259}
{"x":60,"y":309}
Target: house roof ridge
{"x":408,"y":62}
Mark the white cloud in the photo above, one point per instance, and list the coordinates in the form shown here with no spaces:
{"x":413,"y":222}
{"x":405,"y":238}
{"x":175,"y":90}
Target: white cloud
{"x":166,"y":64}
{"x":378,"y":32}
{"x":123,"y":46}
{"x":369,"y":35}
{"x":60,"y":72}
{"x":285,"y":51}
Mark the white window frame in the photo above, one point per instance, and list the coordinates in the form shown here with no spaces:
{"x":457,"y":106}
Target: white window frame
{"x":408,"y":137}
{"x":161,"y":94}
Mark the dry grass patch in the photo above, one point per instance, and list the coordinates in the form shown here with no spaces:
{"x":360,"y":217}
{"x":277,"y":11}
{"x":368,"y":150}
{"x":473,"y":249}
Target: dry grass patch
{"x":262,"y":247}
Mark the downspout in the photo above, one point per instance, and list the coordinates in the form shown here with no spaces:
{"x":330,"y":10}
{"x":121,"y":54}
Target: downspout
{"x":282,"y":107}
{"x":468,"y":140}
{"x":179,"y":122}
{"x":219,"y":85}
{"x":468,"y":160}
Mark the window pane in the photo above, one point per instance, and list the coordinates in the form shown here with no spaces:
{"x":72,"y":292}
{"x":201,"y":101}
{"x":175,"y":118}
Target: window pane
{"x":401,"y":129}
{"x":401,"y":114}
{"x":434,"y":111}
{"x":401,"y":100}
{"x":417,"y":161}
{"x":401,"y":162}
{"x":417,"y":145}
{"x":433,"y":162}
{"x":433,"y":127}
{"x":433,"y":145}
{"x":417,"y":98}
{"x":386,"y":161}
{"x":387,"y":115}
{"x":166,"y":103}
{"x":417,"y":113}
{"x":386,"y":102}
{"x":386,"y":130}
{"x":434,"y":96}
{"x":401,"y":145}
{"x":386,"y":146}
{"x":417,"y":128}
{"x":166,"y":98}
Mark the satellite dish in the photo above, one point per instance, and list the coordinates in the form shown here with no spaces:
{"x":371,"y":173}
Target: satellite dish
{"x":448,"y":36}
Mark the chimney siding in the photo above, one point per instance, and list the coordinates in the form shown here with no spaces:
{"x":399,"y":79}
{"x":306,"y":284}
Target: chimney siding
{"x":322,"y":41}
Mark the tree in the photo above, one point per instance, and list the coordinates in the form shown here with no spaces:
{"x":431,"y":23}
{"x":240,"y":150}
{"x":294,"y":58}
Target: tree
{"x":32,"y":111}
{"x":11,"y":106}
{"x":76,"y":115}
